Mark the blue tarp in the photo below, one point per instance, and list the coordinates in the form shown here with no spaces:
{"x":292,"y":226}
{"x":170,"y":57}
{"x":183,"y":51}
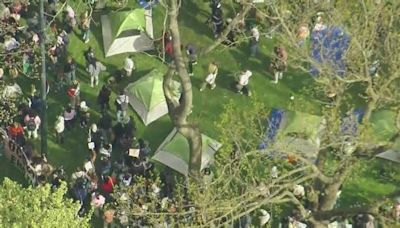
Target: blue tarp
{"x":274,"y":123}
{"x":148,"y":4}
{"x":328,"y":46}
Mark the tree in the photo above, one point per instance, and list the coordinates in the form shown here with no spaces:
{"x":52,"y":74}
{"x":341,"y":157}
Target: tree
{"x":179,"y":111}
{"x":242,"y":180}
{"x":38,"y":207}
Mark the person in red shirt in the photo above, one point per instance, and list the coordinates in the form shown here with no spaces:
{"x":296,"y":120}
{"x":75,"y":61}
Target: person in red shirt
{"x":16,"y":132}
{"x":108,"y":184}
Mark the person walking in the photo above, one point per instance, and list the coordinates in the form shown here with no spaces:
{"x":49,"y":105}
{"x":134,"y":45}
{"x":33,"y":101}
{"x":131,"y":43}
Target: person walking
{"x":278,"y":64}
{"x":85,"y":25}
{"x":94,"y":70}
{"x":243,"y":82}
{"x":129,"y":66}
{"x":59,"y":128}
{"x":212,"y":75}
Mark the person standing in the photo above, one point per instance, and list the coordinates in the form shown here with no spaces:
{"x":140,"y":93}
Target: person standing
{"x":69,"y":70}
{"x":16,"y":132}
{"x":129,"y":66}
{"x":243,"y":82}
{"x":85,"y":25}
{"x":278,"y":64}
{"x":69,"y":116}
{"x":121,"y":103}
{"x":212,"y":75}
{"x":59,"y":127}
{"x":192,"y":57}
{"x":94,"y":70}
{"x":217,"y":19}
{"x":97,"y":202}
{"x":103,"y":98}
{"x":108,"y":217}
{"x":32,"y":123}
{"x":254,"y":41}
{"x":74,"y":93}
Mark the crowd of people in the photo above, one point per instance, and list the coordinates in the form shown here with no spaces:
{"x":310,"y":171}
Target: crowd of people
{"x":104,"y":170}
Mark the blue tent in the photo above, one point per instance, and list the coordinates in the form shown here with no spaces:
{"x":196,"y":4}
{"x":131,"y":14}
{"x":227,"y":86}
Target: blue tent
{"x":329,"y":46}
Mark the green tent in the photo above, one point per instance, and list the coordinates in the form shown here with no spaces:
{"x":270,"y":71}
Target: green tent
{"x":146,"y":96}
{"x":127,"y":31}
{"x":299,"y":133}
{"x":383,"y":126}
{"x":174,"y":152}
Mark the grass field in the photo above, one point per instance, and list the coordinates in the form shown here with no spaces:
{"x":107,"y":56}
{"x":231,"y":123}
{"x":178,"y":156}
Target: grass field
{"x":208,"y":105}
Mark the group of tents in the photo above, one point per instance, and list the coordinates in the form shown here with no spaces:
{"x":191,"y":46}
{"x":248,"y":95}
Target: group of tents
{"x":132,"y":31}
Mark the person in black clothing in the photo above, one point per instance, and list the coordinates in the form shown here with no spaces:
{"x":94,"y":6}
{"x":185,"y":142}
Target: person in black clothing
{"x":217,"y":20}
{"x":89,"y":56}
{"x":103,"y":98}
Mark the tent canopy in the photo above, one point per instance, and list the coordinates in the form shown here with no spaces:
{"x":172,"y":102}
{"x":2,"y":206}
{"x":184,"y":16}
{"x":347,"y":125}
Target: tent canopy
{"x":146,"y":96}
{"x":383,"y":126}
{"x":174,"y":152}
{"x":127,"y":20}
{"x":127,"y":31}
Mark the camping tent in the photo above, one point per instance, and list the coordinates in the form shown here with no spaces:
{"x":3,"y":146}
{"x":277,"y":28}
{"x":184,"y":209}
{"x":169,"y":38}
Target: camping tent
{"x":146,"y":96}
{"x":174,"y":152}
{"x":127,"y":31}
{"x":294,"y":131}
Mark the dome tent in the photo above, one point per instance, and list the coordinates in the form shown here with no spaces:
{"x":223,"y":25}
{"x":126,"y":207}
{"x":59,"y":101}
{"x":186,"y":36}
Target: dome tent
{"x":146,"y":96}
{"x":174,"y":152}
{"x":127,"y":31}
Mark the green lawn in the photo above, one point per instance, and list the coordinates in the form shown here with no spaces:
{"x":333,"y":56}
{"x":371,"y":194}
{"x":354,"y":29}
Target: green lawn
{"x":208,"y":105}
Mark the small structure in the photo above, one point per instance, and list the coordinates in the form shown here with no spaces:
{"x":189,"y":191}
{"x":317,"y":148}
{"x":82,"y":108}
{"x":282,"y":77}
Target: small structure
{"x":174,"y":152}
{"x":127,"y":31}
{"x":146,"y":96}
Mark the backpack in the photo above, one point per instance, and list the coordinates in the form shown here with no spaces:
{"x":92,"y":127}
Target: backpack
{"x":31,"y":125}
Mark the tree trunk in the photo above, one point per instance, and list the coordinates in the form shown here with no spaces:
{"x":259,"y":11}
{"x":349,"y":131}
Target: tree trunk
{"x":179,"y":112}
{"x":43,"y":79}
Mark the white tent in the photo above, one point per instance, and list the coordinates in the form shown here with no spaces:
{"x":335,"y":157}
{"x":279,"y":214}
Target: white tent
{"x":174,"y":152}
{"x":127,"y":31}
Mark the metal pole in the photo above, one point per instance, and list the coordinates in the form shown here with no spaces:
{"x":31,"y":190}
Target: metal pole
{"x":43,"y":90}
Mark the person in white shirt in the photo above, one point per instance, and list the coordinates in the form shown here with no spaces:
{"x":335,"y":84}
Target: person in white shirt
{"x":243,"y":82}
{"x":94,"y":70}
{"x":129,"y":66}
{"x":59,"y":127}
